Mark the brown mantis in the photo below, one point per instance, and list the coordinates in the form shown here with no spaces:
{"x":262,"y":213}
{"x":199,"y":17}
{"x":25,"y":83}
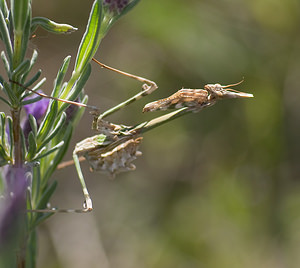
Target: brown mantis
{"x":116,"y":146}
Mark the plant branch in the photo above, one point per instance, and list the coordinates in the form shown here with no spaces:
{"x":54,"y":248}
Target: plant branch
{"x":15,"y":113}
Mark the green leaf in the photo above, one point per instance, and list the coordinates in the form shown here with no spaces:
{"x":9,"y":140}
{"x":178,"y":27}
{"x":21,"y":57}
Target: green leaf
{"x":57,"y":128}
{"x":50,"y":151}
{"x":5,"y":36}
{"x":5,"y":62}
{"x":60,"y":76}
{"x":6,"y":101}
{"x":77,"y":88}
{"x":35,"y":186}
{"x":19,"y":71}
{"x":33,"y":79}
{"x":26,"y":102}
{"x":46,"y":196}
{"x":51,"y":26}
{"x":32,"y":62}
{"x":25,"y":36}
{"x":29,"y":204}
{"x":23,"y":143}
{"x":33,"y":124}
{"x":42,"y":217}
{"x":35,"y":88}
{"x":48,"y":122}
{"x":32,"y":147}
{"x":3,"y":7}
{"x":2,"y":126}
{"x":3,"y":156}
{"x":10,"y":130}
{"x":8,"y":91}
{"x":91,"y":38}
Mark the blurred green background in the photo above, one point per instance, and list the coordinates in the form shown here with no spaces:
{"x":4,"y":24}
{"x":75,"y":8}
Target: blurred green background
{"x":215,"y":189}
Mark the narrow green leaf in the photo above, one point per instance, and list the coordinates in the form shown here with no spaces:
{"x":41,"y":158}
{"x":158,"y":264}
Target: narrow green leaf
{"x":32,"y":62}
{"x":26,"y":102}
{"x":33,"y":124}
{"x":6,"y":101}
{"x":5,"y":36}
{"x":23,"y":143}
{"x":60,"y":77}
{"x":3,"y":7}
{"x":42,"y":217}
{"x":10,"y":130}
{"x":5,"y":62}
{"x":8,"y":92}
{"x":25,"y":37}
{"x":54,"y":132}
{"x":19,"y":71}
{"x":29,"y":205}
{"x":50,"y":151}
{"x":3,"y":138}
{"x":35,"y":88}
{"x":48,"y":122}
{"x":46,"y":196}
{"x":36,"y":182}
{"x":91,"y":38}
{"x":33,"y":79}
{"x":33,"y":58}
{"x":3,"y":156}
{"x":77,"y":88}
{"x":51,"y":26}
{"x":32,"y":147}
{"x":2,"y":121}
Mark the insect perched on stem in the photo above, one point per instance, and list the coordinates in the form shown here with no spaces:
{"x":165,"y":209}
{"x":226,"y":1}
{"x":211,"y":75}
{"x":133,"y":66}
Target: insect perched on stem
{"x":116,"y":146}
{"x":196,"y":99}
{"x":113,"y":149}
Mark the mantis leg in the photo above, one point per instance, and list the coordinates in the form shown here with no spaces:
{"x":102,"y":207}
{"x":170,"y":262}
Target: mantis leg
{"x":147,"y":88}
{"x":87,"y":204}
{"x":88,"y":201}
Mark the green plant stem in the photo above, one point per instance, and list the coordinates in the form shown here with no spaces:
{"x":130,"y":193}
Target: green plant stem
{"x":17,"y":50}
{"x":15,"y":113}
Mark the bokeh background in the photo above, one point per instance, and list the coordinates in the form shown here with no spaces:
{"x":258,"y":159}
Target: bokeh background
{"x":215,"y":189}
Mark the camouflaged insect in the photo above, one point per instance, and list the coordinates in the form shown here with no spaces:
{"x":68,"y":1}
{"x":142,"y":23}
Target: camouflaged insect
{"x":196,"y":99}
{"x":113,"y":151}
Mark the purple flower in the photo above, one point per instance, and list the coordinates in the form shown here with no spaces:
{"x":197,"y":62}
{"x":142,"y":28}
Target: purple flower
{"x":37,"y":109}
{"x":12,"y":205}
{"x":115,"y":6}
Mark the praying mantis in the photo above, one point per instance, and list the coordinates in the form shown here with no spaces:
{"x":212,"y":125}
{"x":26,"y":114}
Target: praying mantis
{"x":114,"y":148}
